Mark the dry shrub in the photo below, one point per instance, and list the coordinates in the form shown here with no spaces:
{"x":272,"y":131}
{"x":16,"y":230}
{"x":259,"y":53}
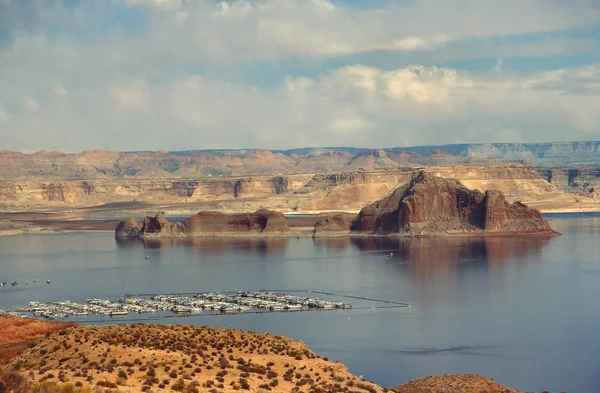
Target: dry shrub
{"x":12,"y":381}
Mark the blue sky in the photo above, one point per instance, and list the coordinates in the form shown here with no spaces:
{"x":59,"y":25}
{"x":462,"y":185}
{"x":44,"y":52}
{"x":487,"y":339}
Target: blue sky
{"x":191,"y":74}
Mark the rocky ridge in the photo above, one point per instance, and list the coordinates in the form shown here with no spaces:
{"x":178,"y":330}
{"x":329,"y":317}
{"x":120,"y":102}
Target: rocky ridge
{"x":103,"y":164}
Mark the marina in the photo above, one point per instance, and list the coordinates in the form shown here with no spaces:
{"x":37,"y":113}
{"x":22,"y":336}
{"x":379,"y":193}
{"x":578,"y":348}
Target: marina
{"x":178,"y":305}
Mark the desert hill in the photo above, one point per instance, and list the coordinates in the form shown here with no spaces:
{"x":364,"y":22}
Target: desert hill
{"x":184,"y":358}
{"x":194,"y":359}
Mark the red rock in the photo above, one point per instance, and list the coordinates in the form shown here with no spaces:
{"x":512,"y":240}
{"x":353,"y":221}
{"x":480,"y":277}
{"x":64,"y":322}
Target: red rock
{"x":160,"y":226}
{"x":337,"y":224}
{"x":430,"y":205}
{"x":129,"y":227}
{"x":205,"y":224}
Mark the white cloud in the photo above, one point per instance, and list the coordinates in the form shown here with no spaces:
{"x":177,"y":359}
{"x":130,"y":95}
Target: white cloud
{"x":498,"y":66}
{"x":3,"y":115}
{"x":354,"y":105}
{"x":173,"y":79}
{"x":31,"y":104}
{"x":251,"y":30}
{"x":162,"y":5}
{"x":130,"y":94}
{"x":348,"y":124}
{"x":60,"y":91}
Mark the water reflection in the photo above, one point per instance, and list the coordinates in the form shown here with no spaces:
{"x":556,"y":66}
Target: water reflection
{"x":334,"y":243}
{"x":444,"y":269}
{"x":453,"y":250}
{"x":214,"y":245}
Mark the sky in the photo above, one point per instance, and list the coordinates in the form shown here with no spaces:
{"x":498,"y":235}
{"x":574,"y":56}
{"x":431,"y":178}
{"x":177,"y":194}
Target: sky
{"x":278,"y":74}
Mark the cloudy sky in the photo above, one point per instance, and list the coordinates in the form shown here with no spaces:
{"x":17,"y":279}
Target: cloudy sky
{"x":197,"y":74}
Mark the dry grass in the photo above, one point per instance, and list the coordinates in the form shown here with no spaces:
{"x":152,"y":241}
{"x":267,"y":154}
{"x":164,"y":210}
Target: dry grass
{"x":454,"y":383}
{"x":155,"y":358}
{"x":185,"y":359}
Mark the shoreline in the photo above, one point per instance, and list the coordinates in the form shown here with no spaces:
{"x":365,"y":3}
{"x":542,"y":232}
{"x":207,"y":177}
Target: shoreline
{"x":301,"y":225}
{"x":347,"y":235}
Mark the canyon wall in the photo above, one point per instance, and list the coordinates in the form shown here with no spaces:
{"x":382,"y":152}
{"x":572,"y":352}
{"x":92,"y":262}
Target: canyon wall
{"x":572,"y":179}
{"x":341,"y":191}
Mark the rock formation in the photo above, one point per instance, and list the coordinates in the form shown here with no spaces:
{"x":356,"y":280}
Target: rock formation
{"x":332,"y":226}
{"x":129,"y":227}
{"x":430,"y":205}
{"x":160,"y":226}
{"x":205,"y":224}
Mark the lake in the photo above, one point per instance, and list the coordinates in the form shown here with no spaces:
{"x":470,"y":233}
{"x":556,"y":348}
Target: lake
{"x":524,"y":310}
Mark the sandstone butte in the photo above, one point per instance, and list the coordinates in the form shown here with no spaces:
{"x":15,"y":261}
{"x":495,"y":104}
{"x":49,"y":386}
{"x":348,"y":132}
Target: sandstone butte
{"x":430,"y":205}
{"x":161,"y":358}
{"x":263,"y":222}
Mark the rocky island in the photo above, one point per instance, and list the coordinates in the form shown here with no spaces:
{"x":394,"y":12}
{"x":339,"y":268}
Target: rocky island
{"x":262,"y":222}
{"x":425,"y":206}
{"x":430,"y":205}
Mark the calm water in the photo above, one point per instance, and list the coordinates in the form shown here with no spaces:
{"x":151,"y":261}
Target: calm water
{"x":524,"y":311}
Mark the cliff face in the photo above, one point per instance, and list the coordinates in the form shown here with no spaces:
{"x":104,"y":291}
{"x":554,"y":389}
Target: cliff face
{"x":334,"y":191}
{"x":433,"y":205}
{"x":572,"y":179}
{"x":205,"y":224}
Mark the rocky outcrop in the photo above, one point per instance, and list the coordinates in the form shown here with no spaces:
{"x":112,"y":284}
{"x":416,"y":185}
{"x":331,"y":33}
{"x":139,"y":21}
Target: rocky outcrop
{"x":502,"y":216}
{"x":129,"y":227}
{"x":336,"y":225}
{"x":261,"y":221}
{"x":159,"y":226}
{"x":430,"y":205}
{"x":208,"y":223}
